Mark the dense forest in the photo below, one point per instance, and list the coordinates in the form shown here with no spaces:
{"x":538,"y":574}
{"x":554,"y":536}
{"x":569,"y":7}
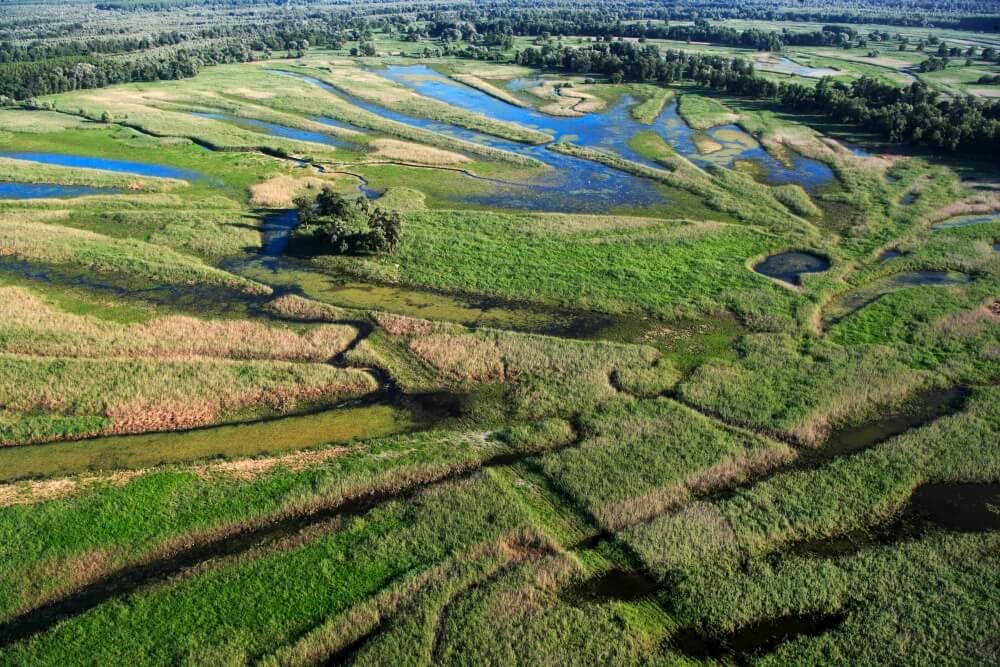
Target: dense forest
{"x":77,"y":54}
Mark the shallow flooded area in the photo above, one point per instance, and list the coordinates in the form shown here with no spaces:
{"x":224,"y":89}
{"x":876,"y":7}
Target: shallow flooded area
{"x":576,"y":184}
{"x":122,"y":166}
{"x":789,"y":267}
{"x":371,"y":417}
{"x":862,"y":296}
{"x":757,"y":638}
{"x":923,"y":408}
{"x":964,"y":221}
{"x":50,"y":191}
{"x":964,"y":507}
{"x":625,"y":585}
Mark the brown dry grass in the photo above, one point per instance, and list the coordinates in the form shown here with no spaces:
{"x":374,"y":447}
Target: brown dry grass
{"x":28,"y":325}
{"x":393,"y":149}
{"x":970,"y":322}
{"x":461,"y":358}
{"x":706,"y":144}
{"x":247,"y":469}
{"x":299,"y":308}
{"x":36,"y":491}
{"x":280,"y":191}
{"x":401,"y":325}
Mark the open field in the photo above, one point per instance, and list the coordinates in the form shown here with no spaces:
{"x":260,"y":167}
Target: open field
{"x":424,"y":335}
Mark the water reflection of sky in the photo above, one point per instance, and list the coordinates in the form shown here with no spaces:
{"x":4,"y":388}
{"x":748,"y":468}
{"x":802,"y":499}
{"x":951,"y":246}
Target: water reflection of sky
{"x":122,"y":166}
{"x":613,"y":129}
{"x":49,"y":190}
{"x":578,"y":184}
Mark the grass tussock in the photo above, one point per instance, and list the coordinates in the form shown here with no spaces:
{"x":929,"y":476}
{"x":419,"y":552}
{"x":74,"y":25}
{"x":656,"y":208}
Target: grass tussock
{"x":486,"y":87}
{"x":28,"y":325}
{"x":300,"y":308}
{"x":35,"y":241}
{"x":280,"y":191}
{"x":141,"y":395}
{"x":402,"y":151}
{"x":702,"y":113}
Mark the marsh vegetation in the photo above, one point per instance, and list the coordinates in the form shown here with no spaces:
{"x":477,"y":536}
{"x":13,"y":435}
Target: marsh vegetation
{"x":529,"y":334}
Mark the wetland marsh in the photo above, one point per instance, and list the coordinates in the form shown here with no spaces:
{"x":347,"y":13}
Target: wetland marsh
{"x":329,"y":331}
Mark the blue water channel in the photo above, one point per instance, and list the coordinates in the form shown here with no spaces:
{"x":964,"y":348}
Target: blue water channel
{"x":575,"y":185}
{"x":275,"y":130}
{"x":50,"y":191}
{"x":121,"y":166}
{"x":612,"y":130}
{"x":579,"y":185}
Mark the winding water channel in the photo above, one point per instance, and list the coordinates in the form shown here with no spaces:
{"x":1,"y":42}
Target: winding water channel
{"x":577,"y":184}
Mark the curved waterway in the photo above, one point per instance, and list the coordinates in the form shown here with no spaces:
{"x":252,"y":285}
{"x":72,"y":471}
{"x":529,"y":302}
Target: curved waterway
{"x":50,"y":191}
{"x":613,"y":129}
{"x":121,"y":166}
{"x":862,"y":296}
{"x":577,"y":184}
{"x":384,"y":416}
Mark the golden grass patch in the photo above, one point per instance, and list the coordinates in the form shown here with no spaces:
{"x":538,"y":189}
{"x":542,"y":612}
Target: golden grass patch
{"x":706,"y":144}
{"x":300,"y":308}
{"x":30,"y":326}
{"x":280,"y":191}
{"x":405,"y":151}
{"x":461,"y":358}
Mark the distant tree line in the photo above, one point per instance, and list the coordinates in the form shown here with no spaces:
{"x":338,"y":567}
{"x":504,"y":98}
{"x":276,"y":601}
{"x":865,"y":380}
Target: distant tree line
{"x":45,"y":50}
{"x":914,"y":114}
{"x":24,"y":80}
{"x":78,"y":66}
{"x":588,"y":26}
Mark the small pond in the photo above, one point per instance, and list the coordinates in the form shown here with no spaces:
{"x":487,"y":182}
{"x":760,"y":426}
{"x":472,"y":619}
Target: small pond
{"x":789,"y":267}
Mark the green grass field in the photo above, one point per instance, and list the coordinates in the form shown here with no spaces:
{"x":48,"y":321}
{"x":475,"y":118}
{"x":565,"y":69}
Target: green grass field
{"x":581,"y":413}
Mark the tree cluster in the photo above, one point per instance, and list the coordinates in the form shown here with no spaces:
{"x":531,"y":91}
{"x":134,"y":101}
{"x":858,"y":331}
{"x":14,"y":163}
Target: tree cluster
{"x":349,"y":227}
